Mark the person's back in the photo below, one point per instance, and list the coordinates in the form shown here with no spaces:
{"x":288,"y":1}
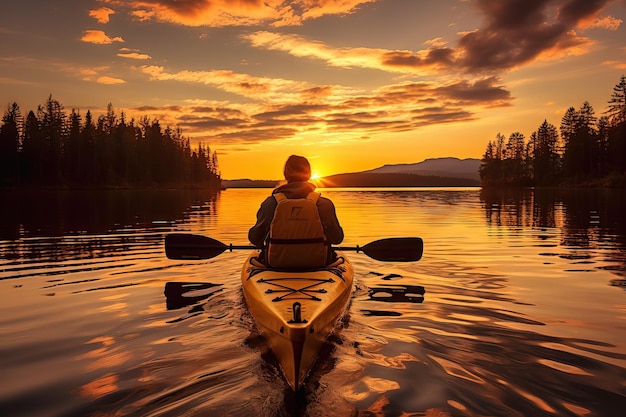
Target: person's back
{"x":297,"y":239}
{"x":296,"y":226}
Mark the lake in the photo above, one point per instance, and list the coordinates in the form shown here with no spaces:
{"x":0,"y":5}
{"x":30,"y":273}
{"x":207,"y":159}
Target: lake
{"x":523,"y":311}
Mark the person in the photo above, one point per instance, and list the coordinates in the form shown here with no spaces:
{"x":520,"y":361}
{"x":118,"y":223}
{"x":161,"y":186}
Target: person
{"x":293,"y":244}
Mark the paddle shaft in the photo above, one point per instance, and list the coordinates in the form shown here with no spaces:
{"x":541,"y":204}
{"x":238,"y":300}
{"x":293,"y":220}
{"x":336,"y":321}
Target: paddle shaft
{"x":190,"y":246}
{"x":230,"y":247}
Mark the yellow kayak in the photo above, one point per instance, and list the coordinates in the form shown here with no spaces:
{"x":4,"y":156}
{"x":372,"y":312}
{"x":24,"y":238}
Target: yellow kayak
{"x":296,"y":311}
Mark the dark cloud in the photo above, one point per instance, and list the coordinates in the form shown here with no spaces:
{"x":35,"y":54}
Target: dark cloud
{"x":402,"y":59}
{"x":441,"y":56}
{"x":479,"y":92}
{"x":204,"y":123}
{"x":514,"y":32}
{"x":290,"y":111}
{"x":518,"y":31}
{"x":512,"y":14}
{"x":147,"y":109}
{"x":252,"y":135}
{"x":441,"y":115}
{"x":575,"y":11}
{"x":434,"y":58}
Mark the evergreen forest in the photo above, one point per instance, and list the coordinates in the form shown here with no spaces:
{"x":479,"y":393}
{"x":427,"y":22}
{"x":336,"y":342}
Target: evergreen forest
{"x":52,"y":149}
{"x":586,"y":150}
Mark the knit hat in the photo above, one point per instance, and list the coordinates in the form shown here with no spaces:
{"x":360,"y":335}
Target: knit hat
{"x":297,"y":168}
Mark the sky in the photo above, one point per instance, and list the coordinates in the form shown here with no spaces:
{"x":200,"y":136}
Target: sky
{"x":350,"y":84}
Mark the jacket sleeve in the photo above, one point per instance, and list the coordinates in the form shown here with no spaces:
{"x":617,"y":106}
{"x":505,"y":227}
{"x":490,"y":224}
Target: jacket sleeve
{"x":258,"y":233}
{"x":328,"y":216}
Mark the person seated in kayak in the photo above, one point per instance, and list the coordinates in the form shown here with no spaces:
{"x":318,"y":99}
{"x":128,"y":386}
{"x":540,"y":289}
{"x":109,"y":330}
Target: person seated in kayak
{"x":296,"y":226}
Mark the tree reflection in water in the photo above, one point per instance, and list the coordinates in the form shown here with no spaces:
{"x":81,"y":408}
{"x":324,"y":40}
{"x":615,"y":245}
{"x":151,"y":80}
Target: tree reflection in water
{"x":80,"y":224}
{"x":586,"y":219}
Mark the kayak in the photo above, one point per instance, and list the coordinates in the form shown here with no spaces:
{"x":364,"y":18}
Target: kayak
{"x":296,"y":311}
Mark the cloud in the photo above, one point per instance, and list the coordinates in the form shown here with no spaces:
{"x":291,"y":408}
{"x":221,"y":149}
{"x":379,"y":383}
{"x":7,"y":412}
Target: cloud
{"x":90,"y":74}
{"x":279,"y":109}
{"x":519,"y":31}
{"x":615,"y":64}
{"x":513,"y":33}
{"x":94,"y":74}
{"x":132,"y":54}
{"x":245,"y":85}
{"x":220,"y":13}
{"x":99,"y":37}
{"x":371,"y":58}
{"x":109,"y":80}
{"x":102,"y":14}
{"x":484,"y":91}
{"x":608,"y":22}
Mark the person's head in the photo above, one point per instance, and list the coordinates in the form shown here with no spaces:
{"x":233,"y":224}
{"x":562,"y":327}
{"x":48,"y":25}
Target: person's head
{"x":297,"y":168}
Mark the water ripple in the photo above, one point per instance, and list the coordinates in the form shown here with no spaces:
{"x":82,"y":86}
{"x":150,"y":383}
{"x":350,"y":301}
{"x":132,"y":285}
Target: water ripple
{"x":516,"y":309}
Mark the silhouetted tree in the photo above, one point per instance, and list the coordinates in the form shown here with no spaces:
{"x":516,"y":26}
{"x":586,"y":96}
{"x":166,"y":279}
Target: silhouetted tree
{"x":88,"y":138}
{"x":571,"y":156}
{"x":73,"y":161}
{"x":486,"y":169}
{"x":592,"y":150}
{"x":60,"y":151}
{"x":617,"y":133}
{"x":580,"y":137}
{"x":603,"y":146}
{"x":617,"y":103}
{"x":514,"y":159}
{"x":33,"y":149}
{"x":52,"y":121}
{"x":505,"y":164}
{"x":546,"y":156}
{"x":9,"y":145}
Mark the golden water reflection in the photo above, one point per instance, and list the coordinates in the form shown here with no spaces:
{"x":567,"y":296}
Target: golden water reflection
{"x":516,"y":307}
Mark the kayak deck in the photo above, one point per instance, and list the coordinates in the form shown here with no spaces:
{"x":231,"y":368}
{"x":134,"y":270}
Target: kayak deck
{"x":296,"y":311}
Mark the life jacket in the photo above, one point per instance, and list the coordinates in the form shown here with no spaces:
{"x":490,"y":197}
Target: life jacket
{"x":297,"y":239}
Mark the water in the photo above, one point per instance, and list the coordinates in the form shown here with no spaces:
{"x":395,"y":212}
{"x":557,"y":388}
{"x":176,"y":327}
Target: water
{"x":524,"y":310}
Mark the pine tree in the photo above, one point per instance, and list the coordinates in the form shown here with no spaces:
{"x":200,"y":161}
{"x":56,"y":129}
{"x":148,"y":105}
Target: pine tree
{"x":53,"y":129}
{"x":515,"y":159}
{"x":546,"y":154}
{"x":10,"y":144}
{"x":617,"y":103}
{"x":617,"y":121}
{"x":72,"y":157}
{"x":57,"y":151}
{"x":32,"y":155}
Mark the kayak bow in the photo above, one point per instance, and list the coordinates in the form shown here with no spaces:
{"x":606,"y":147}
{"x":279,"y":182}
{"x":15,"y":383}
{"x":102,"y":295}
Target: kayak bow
{"x":296,"y":311}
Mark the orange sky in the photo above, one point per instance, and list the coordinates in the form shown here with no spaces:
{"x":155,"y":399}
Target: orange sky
{"x":351,"y":84}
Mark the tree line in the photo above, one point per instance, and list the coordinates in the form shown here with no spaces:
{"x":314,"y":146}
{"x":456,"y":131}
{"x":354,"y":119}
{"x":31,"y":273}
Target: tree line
{"x":585,"y":150}
{"x":50,"y":148}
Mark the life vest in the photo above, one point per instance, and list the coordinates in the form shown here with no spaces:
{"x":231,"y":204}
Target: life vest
{"x":297,"y":239}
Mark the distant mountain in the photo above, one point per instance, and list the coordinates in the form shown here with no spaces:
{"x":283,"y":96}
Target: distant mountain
{"x":439,"y":167}
{"x":391,"y":179}
{"x":247,"y":183}
{"x":435,"y":172}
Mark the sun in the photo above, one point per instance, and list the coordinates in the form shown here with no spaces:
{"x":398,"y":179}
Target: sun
{"x":315,"y":176}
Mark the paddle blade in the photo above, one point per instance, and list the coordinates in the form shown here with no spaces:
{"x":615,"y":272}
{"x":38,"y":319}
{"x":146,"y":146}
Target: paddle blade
{"x":188,"y":246}
{"x":395,"y":249}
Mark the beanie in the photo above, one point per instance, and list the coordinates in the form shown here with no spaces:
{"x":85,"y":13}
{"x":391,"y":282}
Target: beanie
{"x":297,"y":168}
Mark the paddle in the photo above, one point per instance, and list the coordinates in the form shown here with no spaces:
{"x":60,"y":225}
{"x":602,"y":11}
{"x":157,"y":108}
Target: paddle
{"x":394,"y":249}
